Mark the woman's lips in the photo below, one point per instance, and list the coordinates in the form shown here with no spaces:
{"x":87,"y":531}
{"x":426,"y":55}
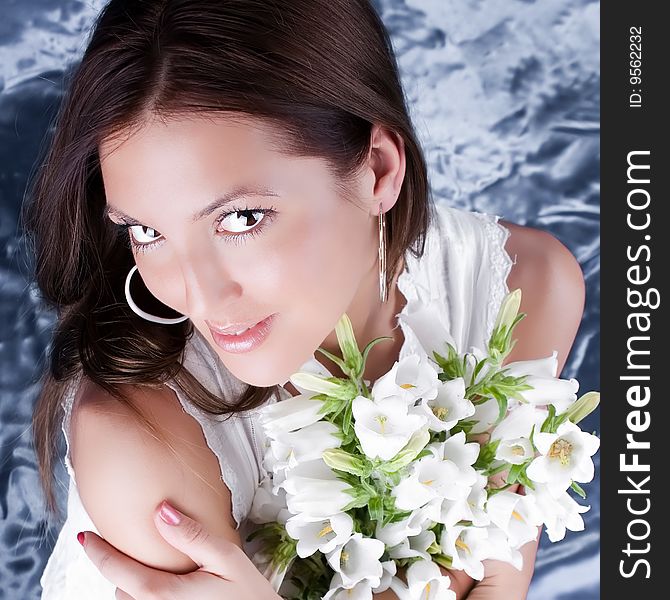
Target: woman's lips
{"x":245,"y":342}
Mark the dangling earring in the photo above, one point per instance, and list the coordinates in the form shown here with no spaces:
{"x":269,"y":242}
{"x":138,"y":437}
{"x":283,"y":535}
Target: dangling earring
{"x":145,"y":315}
{"x":382,"y":255}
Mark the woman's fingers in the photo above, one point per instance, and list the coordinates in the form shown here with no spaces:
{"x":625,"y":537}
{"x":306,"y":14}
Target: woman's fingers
{"x":211,"y":553}
{"x":121,"y":595}
{"x":135,"y":579}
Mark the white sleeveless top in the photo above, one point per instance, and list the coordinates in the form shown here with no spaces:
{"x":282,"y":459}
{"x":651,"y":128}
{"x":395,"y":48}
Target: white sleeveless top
{"x":464,"y":269}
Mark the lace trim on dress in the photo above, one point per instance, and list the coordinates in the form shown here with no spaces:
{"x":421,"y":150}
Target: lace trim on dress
{"x":501,"y":265}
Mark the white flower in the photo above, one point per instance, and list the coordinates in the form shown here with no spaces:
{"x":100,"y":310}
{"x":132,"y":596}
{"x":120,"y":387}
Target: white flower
{"x":432,"y":477}
{"x":307,"y":443}
{"x":499,"y":548}
{"x":471,"y":508}
{"x":424,"y":331}
{"x":485,"y":415}
{"x":394,"y":533}
{"x":515,"y":451}
{"x":519,"y":422}
{"x":548,"y":390}
{"x":457,"y":451}
{"x":446,"y":474}
{"x":411,"y":378}
{"x":322,"y":534}
{"x":268,"y":507}
{"x":516,"y":515}
{"x":383,"y":428}
{"x":358,"y":559}
{"x":289,"y":415}
{"x":540,"y":367}
{"x":361,"y":591}
{"x":448,"y":407}
{"x":390,"y":569}
{"x":467,"y":546}
{"x":566,"y":457}
{"x":425,"y":581}
{"x":312,"y":488}
{"x":558,"y":513}
{"x":416,"y":545}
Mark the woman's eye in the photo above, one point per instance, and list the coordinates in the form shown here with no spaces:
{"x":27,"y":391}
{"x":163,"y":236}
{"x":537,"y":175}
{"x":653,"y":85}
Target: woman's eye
{"x":240,"y":221}
{"x":143,"y":235}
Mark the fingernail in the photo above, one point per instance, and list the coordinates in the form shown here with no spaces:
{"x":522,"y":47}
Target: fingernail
{"x":81,"y":538}
{"x":169,"y":514}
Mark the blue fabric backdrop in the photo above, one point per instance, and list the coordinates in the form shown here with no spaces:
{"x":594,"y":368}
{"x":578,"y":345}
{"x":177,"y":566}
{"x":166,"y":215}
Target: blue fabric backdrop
{"x":505,"y":97}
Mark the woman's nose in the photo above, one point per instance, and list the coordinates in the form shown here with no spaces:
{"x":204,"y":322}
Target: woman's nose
{"x":208,"y":287}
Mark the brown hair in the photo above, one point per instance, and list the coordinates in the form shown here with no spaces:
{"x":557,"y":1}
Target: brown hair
{"x":321,"y":72}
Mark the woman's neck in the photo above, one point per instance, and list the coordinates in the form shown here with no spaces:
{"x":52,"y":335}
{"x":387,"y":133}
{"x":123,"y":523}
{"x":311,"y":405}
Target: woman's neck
{"x":370,"y":319}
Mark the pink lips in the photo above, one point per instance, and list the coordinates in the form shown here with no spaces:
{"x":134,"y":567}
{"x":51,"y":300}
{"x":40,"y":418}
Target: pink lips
{"x":245,"y":342}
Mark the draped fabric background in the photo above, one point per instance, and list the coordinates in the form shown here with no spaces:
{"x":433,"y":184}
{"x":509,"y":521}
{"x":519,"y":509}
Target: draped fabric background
{"x":505,"y":97}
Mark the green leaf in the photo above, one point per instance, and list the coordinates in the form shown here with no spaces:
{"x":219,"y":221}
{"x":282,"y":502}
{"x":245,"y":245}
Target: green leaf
{"x":578,"y":488}
{"x":376,"y":508}
{"x":487,"y":453}
{"x":494,"y":491}
{"x":523,"y":480}
{"x":493,"y":470}
{"x":443,"y":560}
{"x":346,"y":421}
{"x":369,"y":347}
{"x":336,"y":359}
{"x":547,"y":425}
{"x":514,"y":472}
{"x":338,"y":459}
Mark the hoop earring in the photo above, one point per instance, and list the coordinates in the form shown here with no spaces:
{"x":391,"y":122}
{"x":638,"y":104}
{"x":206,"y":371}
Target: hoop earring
{"x":383,"y":292}
{"x":145,"y":315}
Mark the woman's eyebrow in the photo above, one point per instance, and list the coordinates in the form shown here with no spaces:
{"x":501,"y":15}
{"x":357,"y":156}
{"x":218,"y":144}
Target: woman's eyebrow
{"x":219,"y":202}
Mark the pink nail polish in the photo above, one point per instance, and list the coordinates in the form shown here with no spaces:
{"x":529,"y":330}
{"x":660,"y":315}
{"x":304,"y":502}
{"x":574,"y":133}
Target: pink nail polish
{"x":81,"y":538}
{"x":169,"y":514}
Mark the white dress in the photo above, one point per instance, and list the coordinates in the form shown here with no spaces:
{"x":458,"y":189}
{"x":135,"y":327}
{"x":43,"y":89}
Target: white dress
{"x":464,"y":270}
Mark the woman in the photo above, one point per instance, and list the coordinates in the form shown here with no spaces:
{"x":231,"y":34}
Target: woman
{"x":255,"y":161}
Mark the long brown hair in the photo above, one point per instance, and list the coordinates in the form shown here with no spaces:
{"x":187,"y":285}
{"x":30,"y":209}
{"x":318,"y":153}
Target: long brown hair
{"x":321,"y":72}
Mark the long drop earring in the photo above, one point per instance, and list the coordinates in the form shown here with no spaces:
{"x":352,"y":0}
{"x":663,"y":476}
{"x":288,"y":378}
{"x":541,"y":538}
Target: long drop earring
{"x":383,"y":292}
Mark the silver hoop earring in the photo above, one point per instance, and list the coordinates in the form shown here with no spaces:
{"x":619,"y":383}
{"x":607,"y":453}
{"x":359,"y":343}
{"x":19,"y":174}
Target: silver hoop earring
{"x":382,"y":256}
{"x":145,"y":315}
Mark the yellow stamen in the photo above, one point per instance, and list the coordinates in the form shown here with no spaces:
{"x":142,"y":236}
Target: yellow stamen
{"x":407,"y":386}
{"x":561,"y":449}
{"x":382,"y":421}
{"x":517,"y":516}
{"x":344,"y":557}
{"x":440,"y":412}
{"x":427,"y":590}
{"x":517,"y":450}
{"x":462,"y":545}
{"x":326,"y":530}
{"x":428,"y":482}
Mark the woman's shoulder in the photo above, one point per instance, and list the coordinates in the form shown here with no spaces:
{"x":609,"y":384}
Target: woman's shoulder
{"x":553,"y":292}
{"x":129,"y":456}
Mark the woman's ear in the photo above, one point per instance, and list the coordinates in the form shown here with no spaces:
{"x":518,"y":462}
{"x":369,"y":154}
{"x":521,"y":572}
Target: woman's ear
{"x":386,"y":169}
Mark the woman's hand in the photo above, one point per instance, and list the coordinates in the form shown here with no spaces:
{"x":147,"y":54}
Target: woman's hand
{"x":225,"y":571}
{"x":502,"y":580}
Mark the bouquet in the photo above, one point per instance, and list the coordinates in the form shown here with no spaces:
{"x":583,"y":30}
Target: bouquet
{"x":363,"y":482}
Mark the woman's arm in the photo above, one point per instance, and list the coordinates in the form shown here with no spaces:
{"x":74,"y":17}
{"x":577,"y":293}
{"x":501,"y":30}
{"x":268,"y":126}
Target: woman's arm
{"x":123,"y":472}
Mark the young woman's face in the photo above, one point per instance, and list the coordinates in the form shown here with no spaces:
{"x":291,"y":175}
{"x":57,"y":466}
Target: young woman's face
{"x":291,"y":247}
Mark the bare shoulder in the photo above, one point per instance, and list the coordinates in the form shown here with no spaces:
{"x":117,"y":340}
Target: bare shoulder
{"x":124,"y":469}
{"x":553,"y":293}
